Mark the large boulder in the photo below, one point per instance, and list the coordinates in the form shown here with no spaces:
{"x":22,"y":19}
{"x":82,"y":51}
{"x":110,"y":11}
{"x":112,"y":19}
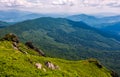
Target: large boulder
{"x":38,"y":65}
{"x":51,"y":65}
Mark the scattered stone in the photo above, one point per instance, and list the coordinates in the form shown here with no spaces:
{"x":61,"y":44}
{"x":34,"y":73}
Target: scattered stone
{"x":51,"y":65}
{"x":38,"y":65}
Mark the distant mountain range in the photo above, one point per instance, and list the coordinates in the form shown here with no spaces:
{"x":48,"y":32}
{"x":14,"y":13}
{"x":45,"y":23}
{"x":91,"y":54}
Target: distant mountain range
{"x":112,"y":28}
{"x":63,"y":38}
{"x":3,"y":24}
{"x":94,"y":21}
{"x":110,"y":25}
{"x":11,"y":15}
{"x":104,"y":14}
{"x":18,"y":16}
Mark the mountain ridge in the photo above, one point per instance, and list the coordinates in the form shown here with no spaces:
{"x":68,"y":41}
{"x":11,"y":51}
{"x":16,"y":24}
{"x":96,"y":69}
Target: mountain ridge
{"x":66,"y":39}
{"x":94,"y":21}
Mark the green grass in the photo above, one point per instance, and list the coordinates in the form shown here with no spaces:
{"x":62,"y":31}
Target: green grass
{"x":14,"y":63}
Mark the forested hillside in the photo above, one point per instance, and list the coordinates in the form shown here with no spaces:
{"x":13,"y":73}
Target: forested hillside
{"x":63,"y":38}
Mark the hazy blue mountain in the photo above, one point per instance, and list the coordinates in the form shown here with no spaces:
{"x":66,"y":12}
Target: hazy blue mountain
{"x":37,"y":15}
{"x":3,"y":24}
{"x":29,"y":17}
{"x":85,"y":18}
{"x":95,"y":21}
{"x":106,"y":14}
{"x":18,"y":16}
{"x":111,"y":19}
{"x":112,"y":28}
{"x":11,"y":15}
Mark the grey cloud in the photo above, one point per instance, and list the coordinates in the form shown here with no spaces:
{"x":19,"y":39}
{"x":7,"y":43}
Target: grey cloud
{"x":115,"y":4}
{"x":91,"y":3}
{"x":63,"y":2}
{"x":102,"y":3}
{"x":17,"y":3}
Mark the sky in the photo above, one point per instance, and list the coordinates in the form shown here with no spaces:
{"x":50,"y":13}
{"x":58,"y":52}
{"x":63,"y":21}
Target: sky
{"x":63,"y":6}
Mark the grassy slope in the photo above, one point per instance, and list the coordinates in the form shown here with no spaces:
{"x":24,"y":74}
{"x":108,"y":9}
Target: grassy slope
{"x":13,"y":63}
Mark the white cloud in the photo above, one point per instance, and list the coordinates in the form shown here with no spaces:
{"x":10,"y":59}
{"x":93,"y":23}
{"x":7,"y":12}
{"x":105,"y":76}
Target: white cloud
{"x":62,"y":5}
{"x":91,"y":2}
{"x":44,"y":3}
{"x":101,"y":3}
{"x":59,"y":2}
{"x":113,"y":3}
{"x":17,"y":3}
{"x":63,"y":2}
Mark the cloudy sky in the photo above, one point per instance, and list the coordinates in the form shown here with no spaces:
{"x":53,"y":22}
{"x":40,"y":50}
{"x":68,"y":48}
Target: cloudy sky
{"x":62,"y":6}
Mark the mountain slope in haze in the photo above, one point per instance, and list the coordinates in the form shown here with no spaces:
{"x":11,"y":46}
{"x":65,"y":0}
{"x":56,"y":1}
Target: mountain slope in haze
{"x":112,"y":28}
{"x":3,"y":24}
{"x":15,"y":63}
{"x":11,"y":15}
{"x":109,"y":25}
{"x":19,"y":16}
{"x":91,"y":20}
{"x":63,"y":38}
{"x":94,"y":21}
{"x":112,"y":19}
{"x":30,"y":16}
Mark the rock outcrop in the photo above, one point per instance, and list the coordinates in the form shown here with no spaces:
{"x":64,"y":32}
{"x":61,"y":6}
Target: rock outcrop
{"x":15,"y":41}
{"x":30,"y":45}
{"x":99,"y":65}
{"x":11,"y":37}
